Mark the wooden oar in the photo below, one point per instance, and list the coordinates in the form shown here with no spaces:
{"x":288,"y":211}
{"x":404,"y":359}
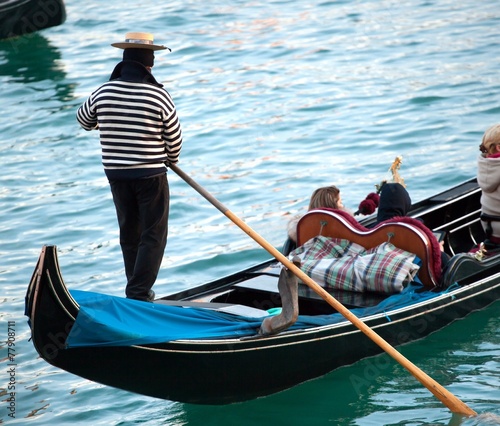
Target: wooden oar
{"x":447,"y":398}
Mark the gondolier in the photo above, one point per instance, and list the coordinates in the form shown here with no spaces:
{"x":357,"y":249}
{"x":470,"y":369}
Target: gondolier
{"x":140,"y":134}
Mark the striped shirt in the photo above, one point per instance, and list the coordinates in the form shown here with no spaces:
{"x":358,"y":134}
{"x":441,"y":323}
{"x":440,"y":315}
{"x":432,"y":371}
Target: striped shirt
{"x":138,"y":125}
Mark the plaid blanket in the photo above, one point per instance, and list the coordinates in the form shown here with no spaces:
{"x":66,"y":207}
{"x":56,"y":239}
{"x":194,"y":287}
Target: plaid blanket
{"x":343,"y":265}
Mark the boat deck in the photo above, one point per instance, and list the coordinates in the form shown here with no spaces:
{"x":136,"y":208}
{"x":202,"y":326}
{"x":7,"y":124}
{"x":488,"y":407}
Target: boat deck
{"x":261,"y":292}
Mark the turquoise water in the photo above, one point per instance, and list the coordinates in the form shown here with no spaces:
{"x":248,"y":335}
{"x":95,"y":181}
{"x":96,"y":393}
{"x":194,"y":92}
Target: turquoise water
{"x":276,"y":98}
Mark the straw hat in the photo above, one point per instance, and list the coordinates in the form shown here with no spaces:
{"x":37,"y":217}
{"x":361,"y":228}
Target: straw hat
{"x":139,"y":40}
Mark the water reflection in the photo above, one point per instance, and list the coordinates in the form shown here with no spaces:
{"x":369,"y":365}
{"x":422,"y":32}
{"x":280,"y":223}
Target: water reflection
{"x":32,"y":58}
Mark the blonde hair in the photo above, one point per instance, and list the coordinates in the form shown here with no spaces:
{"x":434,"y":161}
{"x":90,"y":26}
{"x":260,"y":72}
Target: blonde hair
{"x":327,"y":196}
{"x":491,"y":139}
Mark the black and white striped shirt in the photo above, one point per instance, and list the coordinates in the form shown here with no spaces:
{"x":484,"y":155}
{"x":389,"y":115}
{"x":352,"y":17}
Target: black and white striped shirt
{"x":138,"y":125}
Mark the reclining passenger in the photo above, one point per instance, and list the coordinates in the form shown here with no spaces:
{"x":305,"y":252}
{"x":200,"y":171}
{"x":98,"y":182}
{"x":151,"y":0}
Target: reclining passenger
{"x":324,"y":197}
{"x":394,"y":201}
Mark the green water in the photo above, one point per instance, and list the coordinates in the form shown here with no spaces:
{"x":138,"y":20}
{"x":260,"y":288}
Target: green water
{"x":275,"y":98}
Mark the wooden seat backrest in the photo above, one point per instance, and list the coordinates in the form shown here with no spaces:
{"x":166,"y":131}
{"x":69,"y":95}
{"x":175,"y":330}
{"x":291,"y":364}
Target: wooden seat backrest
{"x":405,"y":236}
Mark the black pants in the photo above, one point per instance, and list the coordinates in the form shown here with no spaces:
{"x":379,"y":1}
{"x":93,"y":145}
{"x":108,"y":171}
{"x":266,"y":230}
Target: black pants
{"x":142,"y":207}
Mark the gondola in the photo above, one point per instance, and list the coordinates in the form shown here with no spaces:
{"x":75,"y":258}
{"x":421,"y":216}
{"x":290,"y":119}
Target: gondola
{"x":21,"y":17}
{"x":210,"y":349}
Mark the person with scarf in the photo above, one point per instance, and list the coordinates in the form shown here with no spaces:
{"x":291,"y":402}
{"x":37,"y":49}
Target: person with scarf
{"x":140,"y":136}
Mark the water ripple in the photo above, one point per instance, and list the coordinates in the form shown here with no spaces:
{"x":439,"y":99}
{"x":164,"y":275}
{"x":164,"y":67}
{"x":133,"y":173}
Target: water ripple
{"x":275,"y":98}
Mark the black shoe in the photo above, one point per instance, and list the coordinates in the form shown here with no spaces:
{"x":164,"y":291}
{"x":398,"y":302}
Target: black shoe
{"x":151,"y":296}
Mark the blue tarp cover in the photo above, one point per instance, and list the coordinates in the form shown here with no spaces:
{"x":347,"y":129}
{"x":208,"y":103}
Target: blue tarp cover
{"x":105,"y":320}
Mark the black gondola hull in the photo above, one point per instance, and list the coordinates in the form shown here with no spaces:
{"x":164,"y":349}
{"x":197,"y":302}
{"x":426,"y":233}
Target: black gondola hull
{"x":237,"y":370}
{"x":21,"y":17}
{"x":222,"y":371}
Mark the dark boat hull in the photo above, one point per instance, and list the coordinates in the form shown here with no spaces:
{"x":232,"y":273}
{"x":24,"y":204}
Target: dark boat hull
{"x":21,"y":17}
{"x":230,"y":370}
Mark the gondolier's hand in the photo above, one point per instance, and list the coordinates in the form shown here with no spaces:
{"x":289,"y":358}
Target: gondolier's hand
{"x":168,"y":163}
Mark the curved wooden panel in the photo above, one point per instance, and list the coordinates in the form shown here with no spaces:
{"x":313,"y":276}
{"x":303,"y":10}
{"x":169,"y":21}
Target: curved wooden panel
{"x":403,"y":235}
